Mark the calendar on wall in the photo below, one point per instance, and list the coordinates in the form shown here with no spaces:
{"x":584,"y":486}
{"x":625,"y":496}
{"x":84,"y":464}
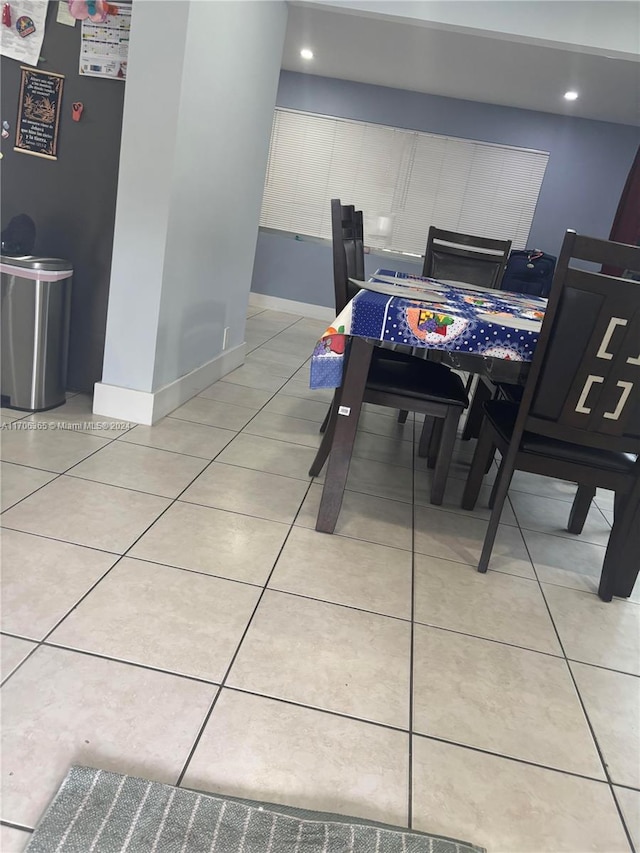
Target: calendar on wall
{"x":104,"y":47}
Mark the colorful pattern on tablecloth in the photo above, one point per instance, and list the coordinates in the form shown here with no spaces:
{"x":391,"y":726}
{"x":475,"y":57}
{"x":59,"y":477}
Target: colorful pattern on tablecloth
{"x":491,"y":323}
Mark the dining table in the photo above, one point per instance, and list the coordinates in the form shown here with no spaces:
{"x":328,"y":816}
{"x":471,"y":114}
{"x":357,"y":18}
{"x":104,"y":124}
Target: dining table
{"x":491,"y":333}
{"x":468,"y":327}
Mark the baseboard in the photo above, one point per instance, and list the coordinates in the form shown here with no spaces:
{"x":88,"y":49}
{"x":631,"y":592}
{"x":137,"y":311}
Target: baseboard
{"x":147,"y":407}
{"x":290,"y":306}
{"x":124,"y":404}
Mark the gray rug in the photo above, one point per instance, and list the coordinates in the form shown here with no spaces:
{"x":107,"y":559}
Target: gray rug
{"x":99,"y":812}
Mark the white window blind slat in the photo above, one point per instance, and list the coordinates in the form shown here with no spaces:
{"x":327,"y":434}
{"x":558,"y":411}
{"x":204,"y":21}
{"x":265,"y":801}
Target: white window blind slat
{"x":413,"y":179}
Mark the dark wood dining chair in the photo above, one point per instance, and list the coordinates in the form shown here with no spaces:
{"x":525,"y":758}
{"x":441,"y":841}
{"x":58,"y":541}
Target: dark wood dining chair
{"x":347,"y":239}
{"x":453,"y":256}
{"x":396,"y":379}
{"x":579,"y":417}
{"x":463,"y":257}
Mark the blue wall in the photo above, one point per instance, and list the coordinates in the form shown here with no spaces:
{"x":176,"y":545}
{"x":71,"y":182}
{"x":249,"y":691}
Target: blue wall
{"x":588,"y":165}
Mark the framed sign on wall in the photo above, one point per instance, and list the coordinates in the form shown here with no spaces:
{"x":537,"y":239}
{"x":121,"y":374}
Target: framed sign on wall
{"x":39,"y":113}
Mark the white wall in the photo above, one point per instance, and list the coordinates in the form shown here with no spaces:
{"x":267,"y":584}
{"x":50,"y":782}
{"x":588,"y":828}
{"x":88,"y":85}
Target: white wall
{"x":229,"y":85}
{"x":201,"y":88}
{"x":591,"y":26}
{"x":151,"y":105}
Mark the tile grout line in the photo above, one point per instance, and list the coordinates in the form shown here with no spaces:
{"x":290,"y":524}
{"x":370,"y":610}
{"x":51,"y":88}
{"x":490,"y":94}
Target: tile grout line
{"x":57,"y":474}
{"x":409,"y":731}
{"x":248,"y":515}
{"x":28,"y":467}
{"x":590,"y":726}
{"x":430,"y":626}
{"x":571,"y":538}
{"x":332,"y":713}
{"x":608,"y":779}
{"x":179,"y":452}
{"x":222,"y":685}
{"x":35,"y":649}
{"x":284,"y":329}
{"x":600,"y":510}
{"x":268,"y":580}
{"x":351,"y":607}
{"x":55,"y":539}
{"x":102,"y":577}
{"x":110,"y":441}
{"x":210,"y":462}
{"x":109,"y":570}
{"x":23,"y":661}
{"x":236,"y":653}
{"x":50,"y":644}
{"x":515,"y":759}
{"x":412,"y":632}
{"x":121,"y":556}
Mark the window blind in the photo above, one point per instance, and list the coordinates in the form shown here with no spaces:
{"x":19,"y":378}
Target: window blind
{"x":403,"y":180}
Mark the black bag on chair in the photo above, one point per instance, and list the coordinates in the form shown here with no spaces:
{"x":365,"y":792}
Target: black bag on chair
{"x":529,"y":271}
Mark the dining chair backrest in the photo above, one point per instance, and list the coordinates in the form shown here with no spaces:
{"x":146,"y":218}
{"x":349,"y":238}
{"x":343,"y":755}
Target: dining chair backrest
{"x":347,"y":233}
{"x":464,"y":257}
{"x":584,"y":382}
{"x":353,"y":239}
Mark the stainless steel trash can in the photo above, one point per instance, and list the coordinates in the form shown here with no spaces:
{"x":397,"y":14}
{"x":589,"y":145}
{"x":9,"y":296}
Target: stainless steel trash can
{"x":36,"y":304}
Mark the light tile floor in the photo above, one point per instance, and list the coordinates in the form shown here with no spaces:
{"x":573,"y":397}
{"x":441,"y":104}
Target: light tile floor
{"x":169,"y":611}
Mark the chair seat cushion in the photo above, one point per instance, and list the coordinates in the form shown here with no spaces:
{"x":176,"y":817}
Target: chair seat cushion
{"x":502,"y":416}
{"x":397,"y":373}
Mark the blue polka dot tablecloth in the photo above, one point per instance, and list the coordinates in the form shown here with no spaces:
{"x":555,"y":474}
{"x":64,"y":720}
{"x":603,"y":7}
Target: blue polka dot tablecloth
{"x":430,"y":314}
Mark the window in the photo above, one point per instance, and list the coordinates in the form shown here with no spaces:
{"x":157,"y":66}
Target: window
{"x":403,"y":180}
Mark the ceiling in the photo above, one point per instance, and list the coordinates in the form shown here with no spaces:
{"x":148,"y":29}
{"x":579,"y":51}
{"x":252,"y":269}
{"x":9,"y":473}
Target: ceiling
{"x":475,"y":66}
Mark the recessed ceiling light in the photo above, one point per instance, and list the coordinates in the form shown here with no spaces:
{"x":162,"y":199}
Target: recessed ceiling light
{"x":571,"y":95}
{"x":305,"y":53}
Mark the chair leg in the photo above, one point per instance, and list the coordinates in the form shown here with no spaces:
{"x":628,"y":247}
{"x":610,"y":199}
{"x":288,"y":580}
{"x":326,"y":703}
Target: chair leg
{"x":580,"y":508}
{"x":494,"y":492}
{"x":402,"y":416}
{"x":425,"y":436}
{"x":445,"y":450}
{"x":433,"y":448}
{"x":490,"y":459}
{"x":476,"y":411}
{"x":501,"y":489}
{"x":325,"y":422}
{"x":484,"y":451}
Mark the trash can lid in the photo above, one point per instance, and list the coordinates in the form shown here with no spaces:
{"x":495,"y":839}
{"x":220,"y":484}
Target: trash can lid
{"x":33,"y":262}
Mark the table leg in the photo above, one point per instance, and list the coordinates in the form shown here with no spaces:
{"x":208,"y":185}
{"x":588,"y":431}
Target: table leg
{"x":475,"y":413}
{"x":327,"y":438}
{"x":353,"y":388}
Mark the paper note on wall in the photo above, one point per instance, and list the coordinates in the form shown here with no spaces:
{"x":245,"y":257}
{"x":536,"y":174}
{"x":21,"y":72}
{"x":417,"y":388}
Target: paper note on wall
{"x":23,"y":39}
{"x":104,"y":48}
{"x":63,"y":15}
